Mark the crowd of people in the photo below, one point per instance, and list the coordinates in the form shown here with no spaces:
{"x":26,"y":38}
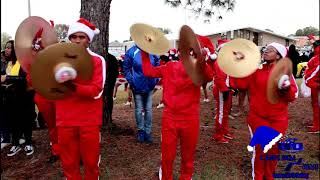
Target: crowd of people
{"x":75,"y":135}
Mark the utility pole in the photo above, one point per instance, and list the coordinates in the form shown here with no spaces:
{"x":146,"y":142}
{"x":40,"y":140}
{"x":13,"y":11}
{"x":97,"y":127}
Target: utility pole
{"x":29,"y":8}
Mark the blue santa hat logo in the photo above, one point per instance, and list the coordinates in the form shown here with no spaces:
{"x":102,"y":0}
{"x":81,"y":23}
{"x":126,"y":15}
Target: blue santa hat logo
{"x":266,"y":137}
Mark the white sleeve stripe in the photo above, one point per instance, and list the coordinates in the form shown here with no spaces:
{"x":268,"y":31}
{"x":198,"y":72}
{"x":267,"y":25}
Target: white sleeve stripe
{"x":103,"y":62}
{"x":313,"y":74}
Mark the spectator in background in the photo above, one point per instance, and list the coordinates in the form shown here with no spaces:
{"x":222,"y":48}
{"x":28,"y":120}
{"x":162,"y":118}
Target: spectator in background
{"x":19,"y":102}
{"x":294,"y":57}
{"x":142,"y":88}
{"x":112,"y":74}
{"x":4,"y":121}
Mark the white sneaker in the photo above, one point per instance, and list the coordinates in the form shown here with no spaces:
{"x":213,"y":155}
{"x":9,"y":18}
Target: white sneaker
{"x":127,"y":103}
{"x":161,"y":105}
{"x":14,"y":150}
{"x":206,"y":100}
{"x":3,"y":145}
{"x":22,"y":141}
{"x":28,"y":149}
{"x":114,"y":98}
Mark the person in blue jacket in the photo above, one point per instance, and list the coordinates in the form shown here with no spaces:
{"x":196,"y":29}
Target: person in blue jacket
{"x":142,"y":88}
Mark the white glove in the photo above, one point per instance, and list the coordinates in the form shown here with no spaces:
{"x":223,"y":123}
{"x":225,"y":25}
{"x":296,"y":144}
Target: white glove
{"x":284,"y":82}
{"x":64,"y":74}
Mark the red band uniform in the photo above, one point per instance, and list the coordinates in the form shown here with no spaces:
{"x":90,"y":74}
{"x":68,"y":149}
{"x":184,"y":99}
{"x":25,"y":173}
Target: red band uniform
{"x":263,"y":113}
{"x":312,"y":77}
{"x":79,"y":116}
{"x":180,"y":119}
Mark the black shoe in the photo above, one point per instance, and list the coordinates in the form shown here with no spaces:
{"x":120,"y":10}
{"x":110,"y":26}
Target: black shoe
{"x":14,"y":150}
{"x":29,"y":150}
{"x":53,"y":159}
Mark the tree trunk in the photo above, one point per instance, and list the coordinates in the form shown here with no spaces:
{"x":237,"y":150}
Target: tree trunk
{"x":98,"y":13}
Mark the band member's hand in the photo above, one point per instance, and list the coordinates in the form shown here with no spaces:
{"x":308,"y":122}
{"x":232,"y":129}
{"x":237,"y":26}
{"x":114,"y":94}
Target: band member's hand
{"x":225,"y":95}
{"x":284,"y":82}
{"x":3,"y":78}
{"x":71,"y":85}
{"x":65,"y":74}
{"x":234,"y":91}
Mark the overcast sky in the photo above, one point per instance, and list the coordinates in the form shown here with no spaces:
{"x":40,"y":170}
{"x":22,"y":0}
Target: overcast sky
{"x":282,"y":16}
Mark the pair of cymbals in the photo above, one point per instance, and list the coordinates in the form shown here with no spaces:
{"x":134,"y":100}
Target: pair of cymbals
{"x":239,"y":58}
{"x":283,"y":67}
{"x":59,"y":55}
{"x":25,"y":35}
{"x":149,"y":39}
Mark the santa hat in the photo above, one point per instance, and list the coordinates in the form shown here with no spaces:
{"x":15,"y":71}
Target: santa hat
{"x":207,"y":44}
{"x":173,"y":51}
{"x":282,"y":50}
{"x":266,"y":137}
{"x":311,"y":37}
{"x":83,"y":25}
{"x":221,"y":42}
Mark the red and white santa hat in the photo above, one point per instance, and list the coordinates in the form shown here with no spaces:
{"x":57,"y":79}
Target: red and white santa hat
{"x":83,"y":25}
{"x":206,"y":43}
{"x":222,"y":42}
{"x":282,"y":50}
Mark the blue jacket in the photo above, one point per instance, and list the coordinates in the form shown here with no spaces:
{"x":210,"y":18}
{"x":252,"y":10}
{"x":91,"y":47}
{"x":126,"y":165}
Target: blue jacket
{"x":132,"y":67}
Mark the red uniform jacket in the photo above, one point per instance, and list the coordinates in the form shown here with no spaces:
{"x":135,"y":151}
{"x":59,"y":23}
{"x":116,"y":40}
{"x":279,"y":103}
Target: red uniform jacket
{"x":259,"y":104}
{"x":84,"y":106}
{"x":180,"y":95}
{"x":312,"y":75}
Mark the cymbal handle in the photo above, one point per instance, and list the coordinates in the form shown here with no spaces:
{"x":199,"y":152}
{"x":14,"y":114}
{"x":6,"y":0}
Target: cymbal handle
{"x":64,"y":72}
{"x":239,"y":55}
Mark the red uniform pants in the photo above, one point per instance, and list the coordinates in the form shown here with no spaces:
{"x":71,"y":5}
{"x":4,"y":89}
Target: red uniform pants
{"x":315,"y":102}
{"x":222,"y":113}
{"x":80,"y":142}
{"x":48,"y":110}
{"x":173,"y":130}
{"x":263,"y":168}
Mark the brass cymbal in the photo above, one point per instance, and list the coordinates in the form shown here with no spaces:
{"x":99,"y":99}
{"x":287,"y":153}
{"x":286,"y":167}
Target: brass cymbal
{"x":283,"y":66}
{"x":149,"y":39}
{"x":239,"y":58}
{"x":25,"y":35}
{"x":194,"y":64}
{"x":57,"y":55}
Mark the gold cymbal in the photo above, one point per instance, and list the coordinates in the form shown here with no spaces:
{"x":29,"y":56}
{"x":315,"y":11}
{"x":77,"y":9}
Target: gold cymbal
{"x":57,"y":55}
{"x":25,"y":35}
{"x":283,"y":66}
{"x":149,"y":39}
{"x":239,"y":58}
{"x":194,"y":64}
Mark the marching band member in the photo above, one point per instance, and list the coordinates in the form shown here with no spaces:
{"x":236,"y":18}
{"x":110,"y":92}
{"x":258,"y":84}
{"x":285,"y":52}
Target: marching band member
{"x":207,"y":45}
{"x":312,"y":79}
{"x":180,"y":119}
{"x":79,"y":117}
{"x":223,"y":97}
{"x":263,"y":113}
